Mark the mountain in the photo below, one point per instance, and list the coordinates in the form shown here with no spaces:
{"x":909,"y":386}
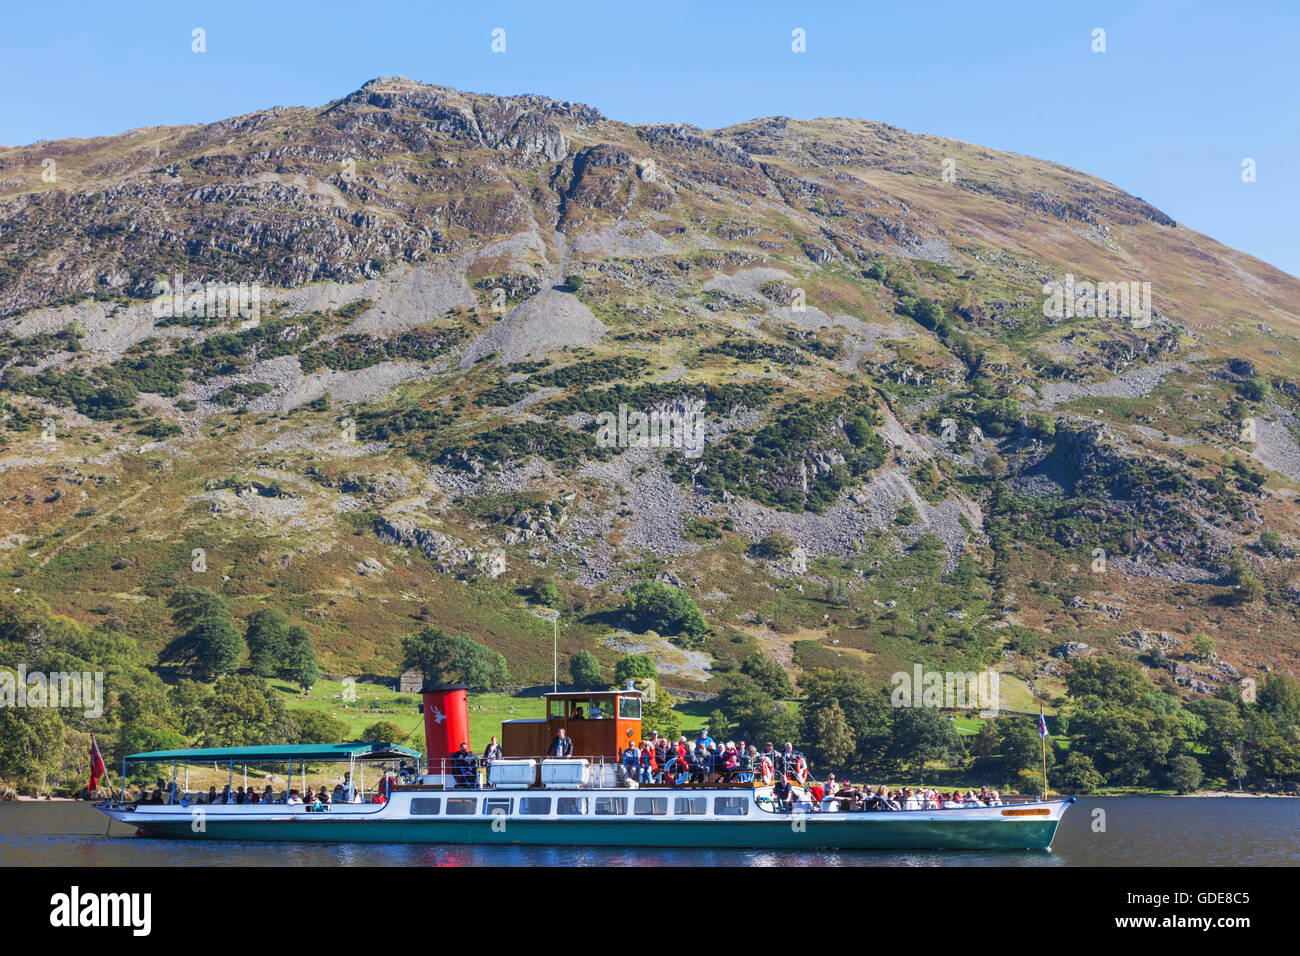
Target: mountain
{"x":932,"y":430}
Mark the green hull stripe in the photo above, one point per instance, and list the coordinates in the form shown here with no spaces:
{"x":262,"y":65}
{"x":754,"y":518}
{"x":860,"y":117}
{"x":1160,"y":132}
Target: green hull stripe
{"x":764,"y":835}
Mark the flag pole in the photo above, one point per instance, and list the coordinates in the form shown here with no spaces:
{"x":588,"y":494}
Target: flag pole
{"x":1043,"y":737}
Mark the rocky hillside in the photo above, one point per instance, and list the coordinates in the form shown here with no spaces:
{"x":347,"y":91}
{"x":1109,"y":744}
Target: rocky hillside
{"x":932,"y":431}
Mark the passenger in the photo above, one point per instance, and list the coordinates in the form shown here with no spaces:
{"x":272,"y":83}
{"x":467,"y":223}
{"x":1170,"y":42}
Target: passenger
{"x":227,"y":796}
{"x":952,"y":801}
{"x":773,"y":757}
{"x":848,"y":796}
{"x":254,"y":796}
{"x":730,"y":758}
{"x":240,"y":796}
{"x":577,"y":713}
{"x":212,"y":794}
{"x":745,"y":758}
{"x":994,"y":799}
{"x":704,"y":738}
{"x":491,"y":752}
{"x":783,"y":794}
{"x":462,"y":768}
{"x":269,"y":795}
{"x":661,"y":750}
{"x":972,"y":800}
{"x":631,"y":760}
{"x":911,"y":801}
{"x":294,"y":800}
{"x":561,"y":745}
{"x":699,"y":763}
{"x":337,"y":796}
{"x":647,"y":763}
{"x":596,"y":713}
{"x":157,"y":798}
{"x":323,"y":795}
{"x":885,"y":800}
{"x":352,"y":795}
{"x":309,"y":797}
{"x":831,"y":785}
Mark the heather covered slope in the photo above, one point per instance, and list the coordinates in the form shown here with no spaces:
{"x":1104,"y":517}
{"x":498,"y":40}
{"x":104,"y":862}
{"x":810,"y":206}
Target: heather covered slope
{"x":453,"y":286}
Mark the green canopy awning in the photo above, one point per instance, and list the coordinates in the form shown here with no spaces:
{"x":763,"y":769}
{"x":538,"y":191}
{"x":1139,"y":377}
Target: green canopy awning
{"x":344,"y":751}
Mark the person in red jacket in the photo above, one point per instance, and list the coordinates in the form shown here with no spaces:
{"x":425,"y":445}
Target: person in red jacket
{"x":649,"y":764}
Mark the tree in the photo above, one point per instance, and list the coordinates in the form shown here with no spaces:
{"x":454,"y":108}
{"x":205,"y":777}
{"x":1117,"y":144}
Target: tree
{"x":190,"y":605}
{"x":318,"y":727}
{"x":1077,"y":775}
{"x":658,"y":714}
{"x":994,"y":466}
{"x":31,"y":743}
{"x":477,"y":664}
{"x":441,"y":658}
{"x":1019,"y":746}
{"x":300,"y":659}
{"x":770,"y":675}
{"x":384,"y":732}
{"x":217,"y":647}
{"x":584,"y":669}
{"x":267,"y":636}
{"x":922,"y":734}
{"x":1280,"y":699}
{"x":430,"y":652}
{"x":1185,"y":773}
{"x":718,"y":726}
{"x":866,"y":710}
{"x":1248,"y":588}
{"x":190,"y":701}
{"x":546,"y":593}
{"x":1202,"y":645}
{"x":832,"y":742}
{"x":244,"y":712}
{"x":664,"y":608}
{"x":754,"y":714}
{"x":775,"y":546}
{"x":635,"y":665}
{"x":1271,"y":542}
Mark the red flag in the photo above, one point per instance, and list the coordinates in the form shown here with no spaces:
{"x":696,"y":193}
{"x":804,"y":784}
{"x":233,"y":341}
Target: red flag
{"x":97,"y":767}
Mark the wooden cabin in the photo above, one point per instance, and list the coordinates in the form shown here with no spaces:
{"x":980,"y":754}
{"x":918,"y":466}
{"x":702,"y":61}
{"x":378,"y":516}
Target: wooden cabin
{"x":600,"y":723}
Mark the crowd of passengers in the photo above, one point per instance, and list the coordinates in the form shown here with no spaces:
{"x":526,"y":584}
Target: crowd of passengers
{"x":345,"y":792}
{"x":659,"y":760}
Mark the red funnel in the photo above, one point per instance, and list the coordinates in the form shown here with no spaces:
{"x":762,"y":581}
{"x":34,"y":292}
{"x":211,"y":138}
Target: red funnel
{"x":446,"y":722}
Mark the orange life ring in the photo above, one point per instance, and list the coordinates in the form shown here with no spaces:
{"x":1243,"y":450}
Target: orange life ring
{"x":801,"y":770}
{"x":767,"y":770}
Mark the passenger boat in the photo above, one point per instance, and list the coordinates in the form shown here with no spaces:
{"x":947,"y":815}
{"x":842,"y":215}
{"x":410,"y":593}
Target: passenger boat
{"x":584,"y":799}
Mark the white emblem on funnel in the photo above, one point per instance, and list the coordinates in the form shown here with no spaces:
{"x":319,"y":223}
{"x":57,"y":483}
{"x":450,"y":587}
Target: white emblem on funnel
{"x":438,"y":716}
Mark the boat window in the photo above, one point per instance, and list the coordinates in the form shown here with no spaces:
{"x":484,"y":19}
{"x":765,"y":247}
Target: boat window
{"x":730,"y":806}
{"x":534,"y":806}
{"x":572,"y":806}
{"x":460,"y":806}
{"x":650,"y":806}
{"x":608,"y":806}
{"x":691,"y":805}
{"x":425,"y":806}
{"x":556,"y":709}
{"x":629,"y":708}
{"x":493,"y":805}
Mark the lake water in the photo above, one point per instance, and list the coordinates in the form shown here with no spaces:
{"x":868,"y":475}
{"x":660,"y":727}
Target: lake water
{"x":1137,"y":831}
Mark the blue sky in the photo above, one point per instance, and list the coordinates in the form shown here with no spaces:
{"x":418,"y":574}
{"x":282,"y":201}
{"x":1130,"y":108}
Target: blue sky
{"x":1183,"y":93}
